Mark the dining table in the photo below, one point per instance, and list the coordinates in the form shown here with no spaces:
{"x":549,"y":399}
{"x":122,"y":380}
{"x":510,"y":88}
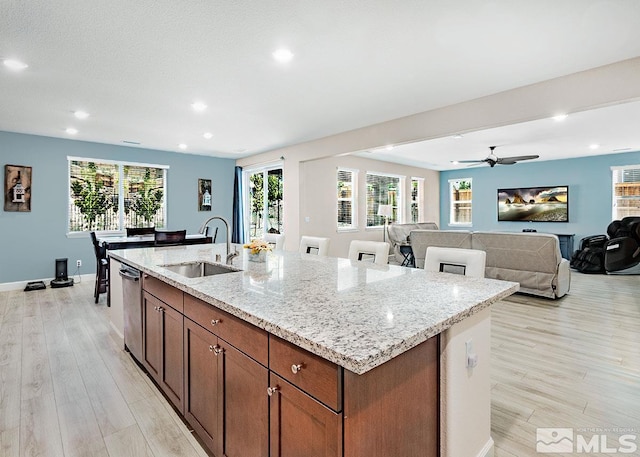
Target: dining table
{"x":111,"y":242}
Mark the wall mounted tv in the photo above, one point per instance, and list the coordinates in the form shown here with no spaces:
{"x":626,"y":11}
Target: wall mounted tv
{"x":534,"y":204}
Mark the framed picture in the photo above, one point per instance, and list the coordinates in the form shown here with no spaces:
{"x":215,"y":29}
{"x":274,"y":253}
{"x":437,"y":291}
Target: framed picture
{"x":17,"y":188}
{"x":204,"y":195}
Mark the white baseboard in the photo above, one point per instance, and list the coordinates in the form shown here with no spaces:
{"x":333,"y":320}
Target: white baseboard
{"x":20,"y":285}
{"x":487,"y":449}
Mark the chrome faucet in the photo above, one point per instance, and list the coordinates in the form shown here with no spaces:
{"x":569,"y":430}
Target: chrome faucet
{"x":230,"y":255}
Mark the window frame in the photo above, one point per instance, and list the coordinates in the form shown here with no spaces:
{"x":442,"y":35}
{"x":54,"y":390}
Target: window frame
{"x":120,"y":164}
{"x":353,"y":199}
{"x":419,"y":201}
{"x":453,"y":202}
{"x":246,"y":174}
{"x":399,"y":206}
{"x":617,"y":177}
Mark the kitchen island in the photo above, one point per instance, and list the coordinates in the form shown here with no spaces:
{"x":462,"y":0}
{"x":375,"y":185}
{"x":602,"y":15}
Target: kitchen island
{"x":320,"y":356}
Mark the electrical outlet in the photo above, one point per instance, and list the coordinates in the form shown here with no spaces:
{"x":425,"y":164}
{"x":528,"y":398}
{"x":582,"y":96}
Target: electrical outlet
{"x":78,"y":263}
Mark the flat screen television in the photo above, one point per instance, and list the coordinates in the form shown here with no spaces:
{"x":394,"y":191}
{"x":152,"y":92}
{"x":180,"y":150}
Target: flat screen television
{"x":534,"y":204}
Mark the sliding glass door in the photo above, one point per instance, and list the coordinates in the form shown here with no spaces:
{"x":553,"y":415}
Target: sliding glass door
{"x":263,"y":202}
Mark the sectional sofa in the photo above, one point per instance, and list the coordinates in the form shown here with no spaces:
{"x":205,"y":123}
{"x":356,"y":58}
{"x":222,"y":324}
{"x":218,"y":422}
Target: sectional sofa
{"x":531,"y":259}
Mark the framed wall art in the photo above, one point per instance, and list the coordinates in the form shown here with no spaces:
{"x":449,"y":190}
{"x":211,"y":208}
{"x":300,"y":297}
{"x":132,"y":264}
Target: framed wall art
{"x":17,"y":188}
{"x":204,"y":195}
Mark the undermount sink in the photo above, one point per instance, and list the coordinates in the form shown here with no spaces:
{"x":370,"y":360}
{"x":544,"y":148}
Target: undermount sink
{"x":198,"y":269}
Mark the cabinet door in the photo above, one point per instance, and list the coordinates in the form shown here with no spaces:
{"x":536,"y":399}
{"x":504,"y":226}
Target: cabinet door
{"x":172,"y":370}
{"x":301,"y":426}
{"x":246,"y":405}
{"x":152,"y":335}
{"x":201,"y":383}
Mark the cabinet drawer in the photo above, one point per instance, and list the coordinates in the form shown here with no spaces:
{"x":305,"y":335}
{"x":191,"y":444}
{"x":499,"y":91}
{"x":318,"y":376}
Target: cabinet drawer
{"x":318,"y":377}
{"x":246,"y":337}
{"x":168,"y":294}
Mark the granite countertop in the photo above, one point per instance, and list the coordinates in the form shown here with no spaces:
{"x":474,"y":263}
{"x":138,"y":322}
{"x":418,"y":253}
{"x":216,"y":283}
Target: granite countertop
{"x":355,"y":314}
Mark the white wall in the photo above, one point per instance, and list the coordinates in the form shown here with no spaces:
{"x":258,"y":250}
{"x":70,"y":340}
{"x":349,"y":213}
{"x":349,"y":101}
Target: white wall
{"x":318,"y":198}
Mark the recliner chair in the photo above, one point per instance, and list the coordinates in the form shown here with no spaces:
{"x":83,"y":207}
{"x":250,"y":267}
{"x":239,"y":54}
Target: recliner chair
{"x":622,"y":251}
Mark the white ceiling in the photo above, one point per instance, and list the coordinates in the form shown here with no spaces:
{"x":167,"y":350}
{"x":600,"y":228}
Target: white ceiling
{"x":136,"y":66}
{"x":614,"y":129}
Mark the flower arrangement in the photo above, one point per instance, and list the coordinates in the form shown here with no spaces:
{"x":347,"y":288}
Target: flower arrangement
{"x":257,"y":246}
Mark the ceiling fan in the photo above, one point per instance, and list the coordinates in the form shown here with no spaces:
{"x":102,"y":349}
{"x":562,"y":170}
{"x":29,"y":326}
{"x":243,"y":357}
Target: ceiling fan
{"x":494,"y":160}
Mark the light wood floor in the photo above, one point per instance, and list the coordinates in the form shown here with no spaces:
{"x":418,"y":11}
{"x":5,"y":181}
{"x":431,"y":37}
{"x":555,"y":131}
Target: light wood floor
{"x":568,"y":363}
{"x":67,"y":388}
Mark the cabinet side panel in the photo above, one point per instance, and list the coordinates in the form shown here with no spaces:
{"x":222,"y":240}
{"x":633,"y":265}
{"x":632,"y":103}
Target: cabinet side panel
{"x":393,"y":410}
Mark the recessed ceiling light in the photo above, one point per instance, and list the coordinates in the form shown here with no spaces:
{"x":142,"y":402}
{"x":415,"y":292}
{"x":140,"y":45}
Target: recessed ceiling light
{"x":457,"y":137}
{"x":594,"y":146}
{"x":560,"y":117}
{"x":81,"y":114}
{"x":15,"y":65}
{"x":208,"y":135}
{"x":389,"y":147}
{"x":198,"y":106}
{"x":455,"y":162}
{"x":182,"y":146}
{"x":283,"y":55}
{"x":71,"y":131}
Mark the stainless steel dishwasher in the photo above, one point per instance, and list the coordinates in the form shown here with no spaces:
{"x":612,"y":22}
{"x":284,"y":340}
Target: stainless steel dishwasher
{"x":132,"y":308}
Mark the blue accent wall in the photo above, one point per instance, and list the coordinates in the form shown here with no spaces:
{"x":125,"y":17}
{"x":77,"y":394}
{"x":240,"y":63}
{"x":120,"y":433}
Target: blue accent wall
{"x":31,"y":241}
{"x":590,"y":192}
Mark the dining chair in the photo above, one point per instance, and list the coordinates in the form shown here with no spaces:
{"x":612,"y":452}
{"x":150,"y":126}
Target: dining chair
{"x":102,"y":268}
{"x":138,"y":231}
{"x":275,"y":239}
{"x":169,"y":237}
{"x":468,"y":262}
{"x":314,"y":245}
{"x":378,"y":249}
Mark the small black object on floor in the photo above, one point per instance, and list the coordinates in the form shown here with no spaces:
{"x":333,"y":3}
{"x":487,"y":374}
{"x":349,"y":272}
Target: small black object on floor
{"x":35,"y":285}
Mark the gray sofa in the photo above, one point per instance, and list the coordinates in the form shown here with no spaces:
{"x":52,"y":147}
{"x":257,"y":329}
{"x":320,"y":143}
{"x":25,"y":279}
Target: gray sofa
{"x":399,"y":233}
{"x":531,"y":259}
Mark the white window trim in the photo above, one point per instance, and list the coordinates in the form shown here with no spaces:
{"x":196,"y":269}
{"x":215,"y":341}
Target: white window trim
{"x":420,"y":201}
{"x":354,"y":201}
{"x":246,"y":210}
{"x":451,"y":203}
{"x":121,"y":164}
{"x":614,"y":197}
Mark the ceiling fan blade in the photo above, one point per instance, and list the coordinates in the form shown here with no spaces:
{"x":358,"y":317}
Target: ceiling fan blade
{"x":507,"y":162}
{"x":517,"y":158}
{"x":471,"y":161}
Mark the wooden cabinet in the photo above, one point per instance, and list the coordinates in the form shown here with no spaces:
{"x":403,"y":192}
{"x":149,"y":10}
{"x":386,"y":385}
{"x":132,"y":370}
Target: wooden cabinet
{"x":225,"y":395}
{"x":246,"y":404}
{"x":248,"y":393}
{"x":162,"y":346}
{"x":202,"y":383}
{"x":300,"y":425}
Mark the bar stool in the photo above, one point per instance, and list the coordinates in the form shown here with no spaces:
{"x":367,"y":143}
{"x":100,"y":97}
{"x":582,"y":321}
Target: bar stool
{"x":468,"y":262}
{"x":378,"y":249}
{"x":310,"y":244}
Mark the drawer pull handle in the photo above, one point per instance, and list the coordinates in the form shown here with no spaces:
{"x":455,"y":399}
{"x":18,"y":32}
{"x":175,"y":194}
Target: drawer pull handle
{"x":160,"y":309}
{"x":272,"y":390}
{"x":295,"y":369}
{"x":217,"y":350}
{"x":215,"y":321}
{"x":211,"y":347}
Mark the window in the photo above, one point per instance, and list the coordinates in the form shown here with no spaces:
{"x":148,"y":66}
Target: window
{"x":417,"y":199}
{"x":109,"y":196}
{"x":460,"y":198}
{"x":264,"y":201}
{"x":347,"y":212}
{"x":626,"y":191}
{"x":383,"y":190}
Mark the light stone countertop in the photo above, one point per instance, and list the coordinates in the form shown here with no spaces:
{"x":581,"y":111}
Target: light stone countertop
{"x":355,"y":314}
